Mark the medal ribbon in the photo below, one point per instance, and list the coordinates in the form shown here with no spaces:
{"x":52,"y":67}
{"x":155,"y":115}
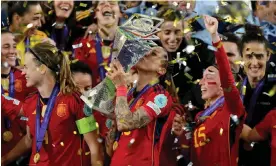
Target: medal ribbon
{"x":11,"y":94}
{"x":212,"y":108}
{"x":65,"y":32}
{"x":100,"y":56}
{"x":27,"y":44}
{"x":40,"y":130}
{"x":254,"y":97}
{"x":133,"y":102}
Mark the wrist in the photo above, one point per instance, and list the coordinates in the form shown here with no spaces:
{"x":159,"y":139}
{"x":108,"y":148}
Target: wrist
{"x":121,"y":91}
{"x":215,"y":37}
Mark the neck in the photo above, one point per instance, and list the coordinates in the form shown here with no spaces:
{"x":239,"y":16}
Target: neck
{"x":108,"y":30}
{"x":47,"y":86}
{"x":145,"y":78}
{"x":254,"y":81}
{"x":214,"y":99}
{"x":5,"y":70}
{"x":59,"y":23}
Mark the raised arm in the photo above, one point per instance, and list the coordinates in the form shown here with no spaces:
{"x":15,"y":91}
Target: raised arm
{"x":231,"y":93}
{"x":125,"y":119}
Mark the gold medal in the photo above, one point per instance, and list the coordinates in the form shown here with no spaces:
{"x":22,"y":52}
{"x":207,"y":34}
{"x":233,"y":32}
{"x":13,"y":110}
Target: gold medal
{"x":7,"y":136}
{"x":115,"y":145}
{"x":36,"y":158}
{"x":106,"y":50}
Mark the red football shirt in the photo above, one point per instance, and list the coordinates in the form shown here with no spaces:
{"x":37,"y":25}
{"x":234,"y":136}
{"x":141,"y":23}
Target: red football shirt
{"x":10,"y":107}
{"x":17,"y":126}
{"x":136,"y":147}
{"x":267,"y":127}
{"x":87,"y":54}
{"x":62,"y":143}
{"x":210,"y":142}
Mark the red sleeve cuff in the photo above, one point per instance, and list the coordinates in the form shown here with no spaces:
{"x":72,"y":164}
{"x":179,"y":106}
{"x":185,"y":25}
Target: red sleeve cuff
{"x":217,"y":44}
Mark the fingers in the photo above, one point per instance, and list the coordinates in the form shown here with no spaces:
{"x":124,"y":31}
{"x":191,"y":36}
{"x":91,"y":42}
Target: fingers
{"x":90,"y":29}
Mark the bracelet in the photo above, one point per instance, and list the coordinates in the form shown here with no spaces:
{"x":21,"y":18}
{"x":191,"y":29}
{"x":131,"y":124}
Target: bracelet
{"x":121,"y":91}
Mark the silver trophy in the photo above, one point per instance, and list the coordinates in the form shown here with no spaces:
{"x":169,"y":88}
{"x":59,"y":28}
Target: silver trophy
{"x":128,"y":49}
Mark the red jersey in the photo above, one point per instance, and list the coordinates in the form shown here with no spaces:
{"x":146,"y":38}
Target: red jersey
{"x":10,"y":107}
{"x":62,"y":142}
{"x":211,"y":139}
{"x":15,"y":126}
{"x":136,"y":147}
{"x":267,"y":127}
{"x":87,"y":54}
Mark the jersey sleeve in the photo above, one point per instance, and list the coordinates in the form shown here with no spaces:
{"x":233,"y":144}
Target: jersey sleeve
{"x":265,"y":126}
{"x":157,"y":104}
{"x":10,"y":107}
{"x":231,"y":93}
{"x":85,"y":123}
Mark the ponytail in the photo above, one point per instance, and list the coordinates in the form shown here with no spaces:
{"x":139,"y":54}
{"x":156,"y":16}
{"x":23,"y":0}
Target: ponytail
{"x":67,"y":84}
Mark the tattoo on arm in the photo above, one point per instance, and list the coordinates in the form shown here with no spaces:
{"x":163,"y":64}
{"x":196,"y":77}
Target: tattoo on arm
{"x":127,"y":120}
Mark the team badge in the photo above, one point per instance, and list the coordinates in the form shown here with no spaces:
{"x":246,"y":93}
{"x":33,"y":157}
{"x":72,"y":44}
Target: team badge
{"x":18,"y":85}
{"x":160,"y":100}
{"x":61,"y":110}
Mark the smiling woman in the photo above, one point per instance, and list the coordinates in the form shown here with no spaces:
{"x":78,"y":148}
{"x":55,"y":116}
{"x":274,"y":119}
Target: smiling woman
{"x":255,"y":54}
{"x":171,"y":34}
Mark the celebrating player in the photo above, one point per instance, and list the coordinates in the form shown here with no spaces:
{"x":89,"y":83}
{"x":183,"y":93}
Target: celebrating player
{"x":55,"y":114}
{"x":139,"y":111}
{"x":13,"y":84}
{"x":216,"y":134}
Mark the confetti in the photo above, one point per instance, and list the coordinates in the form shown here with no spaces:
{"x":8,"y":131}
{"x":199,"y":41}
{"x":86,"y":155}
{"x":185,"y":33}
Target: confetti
{"x":184,"y":146}
{"x":190,"y":164}
{"x":189,"y":49}
{"x":235,"y":119}
{"x":190,"y":105}
{"x":79,"y":152}
{"x":83,"y":4}
{"x":61,"y":143}
{"x":252,"y":144}
{"x":99,"y":140}
{"x":25,"y":4}
{"x":88,"y":45}
{"x":30,"y":25}
{"x":175,"y":140}
{"x":188,"y":76}
{"x":86,"y":153}
{"x":272,"y":91}
{"x":221,"y":131}
{"x":188,"y":5}
{"x":75,"y":132}
{"x":179,"y":157}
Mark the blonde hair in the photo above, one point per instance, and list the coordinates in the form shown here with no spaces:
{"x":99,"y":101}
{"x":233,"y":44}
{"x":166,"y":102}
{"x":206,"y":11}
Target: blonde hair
{"x":58,"y":63}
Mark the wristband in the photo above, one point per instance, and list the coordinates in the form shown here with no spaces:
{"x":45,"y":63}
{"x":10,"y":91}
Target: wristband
{"x":121,"y":91}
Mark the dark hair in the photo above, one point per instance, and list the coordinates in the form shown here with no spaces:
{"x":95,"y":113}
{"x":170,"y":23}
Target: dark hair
{"x":57,"y":62}
{"x":169,"y":14}
{"x":167,"y":80}
{"x":20,"y":8}
{"x":3,"y":31}
{"x":231,"y":37}
{"x":80,"y":67}
{"x":253,"y":33}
